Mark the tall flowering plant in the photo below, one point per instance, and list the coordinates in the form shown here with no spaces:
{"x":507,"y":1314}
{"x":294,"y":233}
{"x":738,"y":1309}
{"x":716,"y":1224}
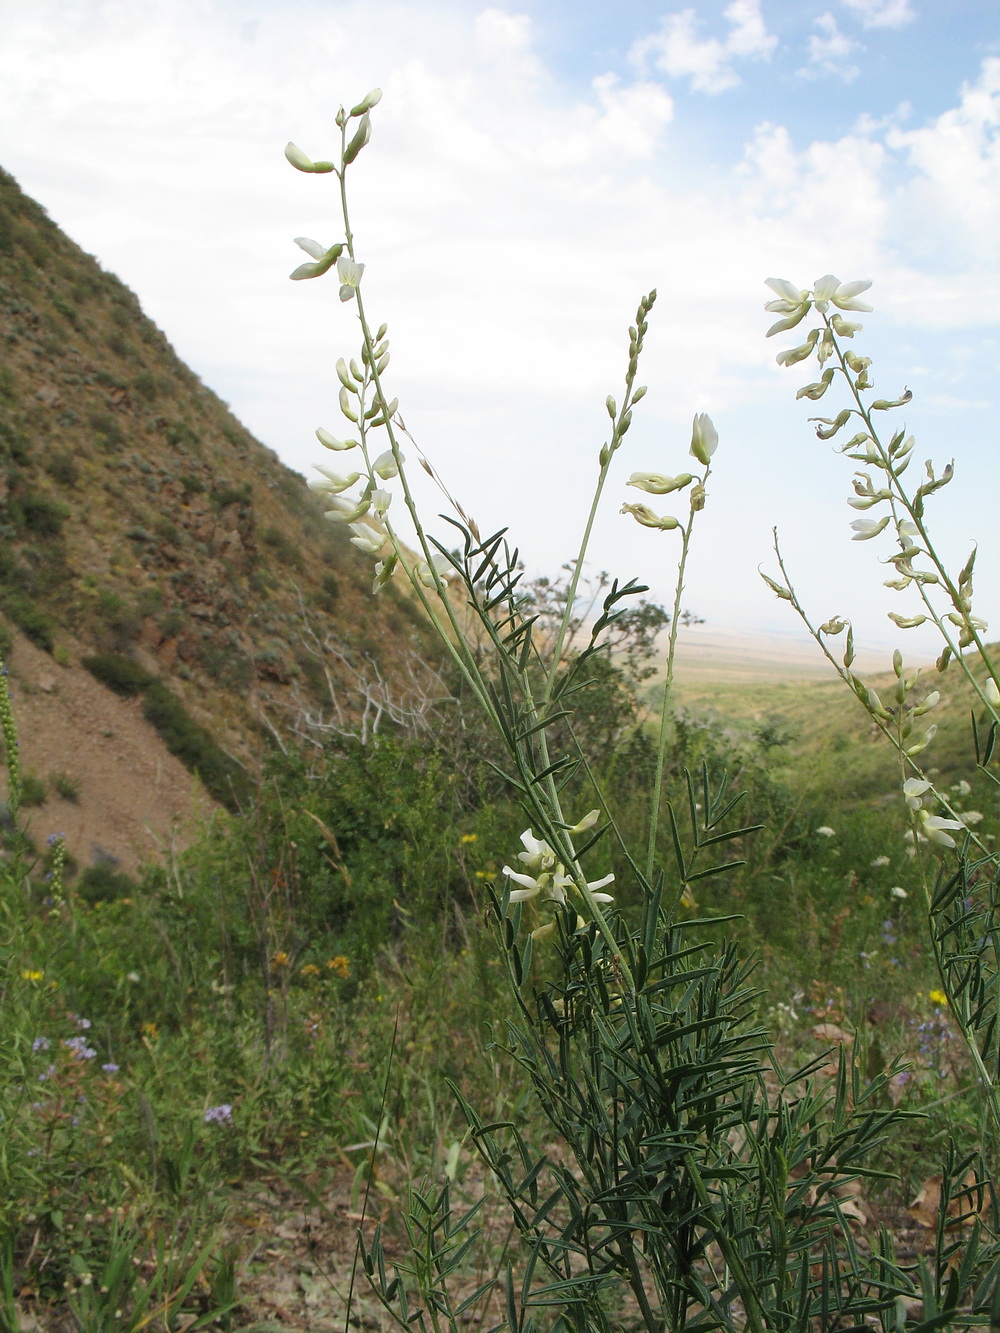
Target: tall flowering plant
{"x":959,"y":872}
{"x":684,"y":1175}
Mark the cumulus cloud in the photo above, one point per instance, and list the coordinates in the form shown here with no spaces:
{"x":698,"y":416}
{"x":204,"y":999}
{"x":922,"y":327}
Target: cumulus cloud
{"x":829,"y":50}
{"x":882,"y":13}
{"x":955,"y":189}
{"x":677,"y":50}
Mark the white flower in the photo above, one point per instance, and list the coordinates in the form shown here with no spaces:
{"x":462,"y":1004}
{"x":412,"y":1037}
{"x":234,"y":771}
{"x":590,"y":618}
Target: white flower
{"x":537,"y":854}
{"x":656,"y":483}
{"x":586,"y":823}
{"x":704,"y":438}
{"x":991,"y":692}
{"x":913,"y":790}
{"x":324,"y":257}
{"x":332,"y":481}
{"x":331,"y":441}
{"x":599,"y":884}
{"x":825,"y":831}
{"x":934,"y":828}
{"x":867,"y":528}
{"x":644,"y":515}
{"x":898,"y":892}
{"x":531,"y":888}
{"x":381,"y":500}
{"x":962,"y":788}
{"x":367,"y":539}
{"x":970,"y":817}
{"x":349,"y":274}
{"x":843,"y":294}
{"x":385,"y":465}
{"x":793,"y":303}
{"x":344,"y":510}
{"x":881,"y":861}
{"x":425,"y":572}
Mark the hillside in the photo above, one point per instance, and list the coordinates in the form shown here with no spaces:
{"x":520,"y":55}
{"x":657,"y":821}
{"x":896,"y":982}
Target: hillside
{"x":139,"y":520}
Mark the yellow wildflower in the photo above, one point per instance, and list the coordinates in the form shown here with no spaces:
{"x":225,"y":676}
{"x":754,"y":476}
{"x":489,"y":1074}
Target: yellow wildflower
{"x":340,"y":965}
{"x":310,"y":970}
{"x":32,"y":975}
{"x":937,"y":997}
{"x":469,"y":837}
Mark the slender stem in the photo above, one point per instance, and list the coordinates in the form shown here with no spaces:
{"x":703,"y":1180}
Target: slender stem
{"x":661,"y":748}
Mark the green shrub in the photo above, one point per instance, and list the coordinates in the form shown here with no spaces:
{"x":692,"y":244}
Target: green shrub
{"x":33,"y":790}
{"x":102,"y":883}
{"x":66,"y":787}
{"x":119,"y":673}
{"x":18,"y":606}
{"x":42,"y":515}
{"x":224,"y":779}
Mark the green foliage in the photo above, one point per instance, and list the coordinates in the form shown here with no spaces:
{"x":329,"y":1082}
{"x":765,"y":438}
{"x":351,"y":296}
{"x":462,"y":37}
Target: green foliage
{"x":121,"y":674}
{"x":41,"y":515}
{"x":102,"y":883}
{"x":21,"y":608}
{"x":33,"y":790}
{"x":224,"y":779}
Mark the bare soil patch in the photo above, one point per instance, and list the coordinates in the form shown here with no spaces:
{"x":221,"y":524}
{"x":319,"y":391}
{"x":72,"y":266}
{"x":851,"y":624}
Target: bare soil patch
{"x":135,"y":800}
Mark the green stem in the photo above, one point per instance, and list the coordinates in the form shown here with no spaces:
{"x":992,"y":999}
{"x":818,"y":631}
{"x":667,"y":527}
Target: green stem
{"x":661,"y":748}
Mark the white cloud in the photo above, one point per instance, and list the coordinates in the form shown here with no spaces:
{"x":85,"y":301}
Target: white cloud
{"x":829,"y":50}
{"x":955,"y":191}
{"x":882,"y":13}
{"x":678,"y":51}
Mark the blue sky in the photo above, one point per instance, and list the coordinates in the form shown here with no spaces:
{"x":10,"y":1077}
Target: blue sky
{"x":534,"y":168}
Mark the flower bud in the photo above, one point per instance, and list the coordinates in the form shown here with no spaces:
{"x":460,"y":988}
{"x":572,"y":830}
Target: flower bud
{"x":331,"y":442}
{"x":367,"y":102}
{"x":301,"y":162}
{"x":991,"y":692}
{"x":361,"y":137}
{"x":776,"y":588}
{"x":612,"y":406}
{"x":384,"y":571}
{"x":345,"y":406}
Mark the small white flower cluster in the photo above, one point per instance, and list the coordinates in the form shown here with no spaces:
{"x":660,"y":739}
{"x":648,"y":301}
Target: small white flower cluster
{"x":704,"y":441}
{"x":930,"y":828}
{"x":362,"y":401}
{"x":793,"y":304}
{"x":546,"y":879}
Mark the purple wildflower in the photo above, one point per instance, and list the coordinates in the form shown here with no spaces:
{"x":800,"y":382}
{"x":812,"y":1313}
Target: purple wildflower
{"x":219,"y":1115}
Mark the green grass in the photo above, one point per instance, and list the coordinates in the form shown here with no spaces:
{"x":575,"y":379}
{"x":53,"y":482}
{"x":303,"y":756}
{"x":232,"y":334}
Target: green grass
{"x":335,"y":926}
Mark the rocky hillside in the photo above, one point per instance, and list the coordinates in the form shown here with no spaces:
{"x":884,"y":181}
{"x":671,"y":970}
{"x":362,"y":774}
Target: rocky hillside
{"x":146,"y":534}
